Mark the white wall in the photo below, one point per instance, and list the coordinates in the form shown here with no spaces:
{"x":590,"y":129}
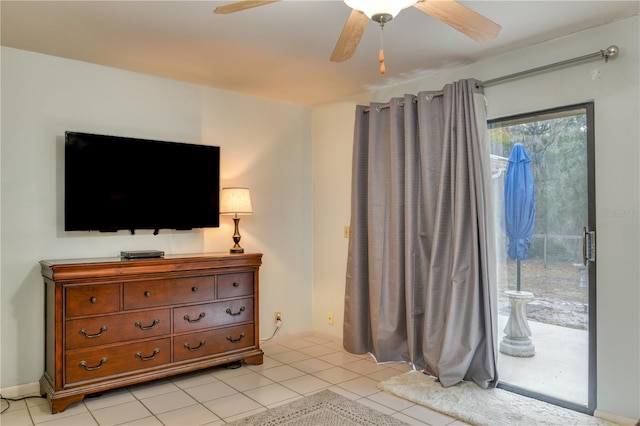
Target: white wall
{"x":264,"y":145}
{"x":333,"y":141}
{"x":617,"y":111}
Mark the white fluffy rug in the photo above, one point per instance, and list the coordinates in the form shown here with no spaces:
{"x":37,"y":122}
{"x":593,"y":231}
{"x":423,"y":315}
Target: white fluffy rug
{"x":483,"y":407}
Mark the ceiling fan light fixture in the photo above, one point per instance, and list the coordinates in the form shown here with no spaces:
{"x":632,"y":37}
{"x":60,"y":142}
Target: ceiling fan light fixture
{"x":373,"y":8}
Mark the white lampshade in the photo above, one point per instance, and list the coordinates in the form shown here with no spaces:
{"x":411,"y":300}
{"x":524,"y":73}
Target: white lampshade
{"x":373,"y":7}
{"x":235,"y":201}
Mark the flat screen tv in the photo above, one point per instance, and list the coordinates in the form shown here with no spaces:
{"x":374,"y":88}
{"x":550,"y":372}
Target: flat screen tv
{"x":116,"y":183}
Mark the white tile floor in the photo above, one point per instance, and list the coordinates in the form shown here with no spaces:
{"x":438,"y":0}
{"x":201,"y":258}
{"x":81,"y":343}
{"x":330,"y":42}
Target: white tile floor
{"x":293,"y":368}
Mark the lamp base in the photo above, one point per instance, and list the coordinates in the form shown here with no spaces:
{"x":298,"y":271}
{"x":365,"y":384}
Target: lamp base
{"x":236,"y":237}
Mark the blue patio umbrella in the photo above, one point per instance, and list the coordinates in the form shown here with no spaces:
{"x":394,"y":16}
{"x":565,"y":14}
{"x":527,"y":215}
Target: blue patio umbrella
{"x":519,"y":205}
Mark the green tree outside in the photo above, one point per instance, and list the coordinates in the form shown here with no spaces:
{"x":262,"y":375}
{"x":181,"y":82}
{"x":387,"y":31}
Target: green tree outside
{"x":557,"y":147}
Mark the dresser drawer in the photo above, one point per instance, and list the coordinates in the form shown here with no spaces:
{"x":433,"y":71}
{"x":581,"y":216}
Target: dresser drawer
{"x":88,"y":364}
{"x":212,"y":342}
{"x":143,"y":294}
{"x":234,"y":285}
{"x":216,"y":314}
{"x":92,"y":299}
{"x":89,"y":332}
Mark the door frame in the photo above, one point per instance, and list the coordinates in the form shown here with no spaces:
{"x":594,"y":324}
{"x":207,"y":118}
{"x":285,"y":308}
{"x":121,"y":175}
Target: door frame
{"x":591,"y":227}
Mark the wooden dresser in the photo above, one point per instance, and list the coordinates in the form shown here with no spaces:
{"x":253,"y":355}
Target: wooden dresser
{"x":116,"y":322}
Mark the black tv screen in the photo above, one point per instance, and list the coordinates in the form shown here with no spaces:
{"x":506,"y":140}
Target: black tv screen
{"x":114,"y":183}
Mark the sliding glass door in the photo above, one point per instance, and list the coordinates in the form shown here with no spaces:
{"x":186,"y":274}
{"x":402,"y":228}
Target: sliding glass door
{"x":546,"y":269}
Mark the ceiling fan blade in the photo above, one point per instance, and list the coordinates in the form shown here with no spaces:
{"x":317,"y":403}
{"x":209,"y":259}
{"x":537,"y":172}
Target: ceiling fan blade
{"x":240,"y":6}
{"x":350,"y":36}
{"x":461,"y":18}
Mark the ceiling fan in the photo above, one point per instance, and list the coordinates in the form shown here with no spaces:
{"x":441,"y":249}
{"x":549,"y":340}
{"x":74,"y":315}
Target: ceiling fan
{"x":450,"y":12}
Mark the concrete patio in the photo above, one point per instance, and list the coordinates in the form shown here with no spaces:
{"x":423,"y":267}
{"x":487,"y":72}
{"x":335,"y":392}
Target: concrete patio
{"x":559,"y":367}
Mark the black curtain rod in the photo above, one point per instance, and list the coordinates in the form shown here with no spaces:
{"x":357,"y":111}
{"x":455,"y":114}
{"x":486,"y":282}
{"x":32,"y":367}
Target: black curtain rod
{"x":607,"y":53}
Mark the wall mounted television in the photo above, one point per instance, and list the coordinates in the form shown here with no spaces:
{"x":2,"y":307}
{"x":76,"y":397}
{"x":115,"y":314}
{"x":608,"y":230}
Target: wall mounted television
{"x":117,"y":183}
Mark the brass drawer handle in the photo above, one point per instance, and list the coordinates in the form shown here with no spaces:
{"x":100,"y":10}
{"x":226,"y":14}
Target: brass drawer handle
{"x":232,"y":340}
{"x":91,"y":336}
{"x":242,"y":309}
{"x":235,"y":284}
{"x":156,"y":351}
{"x":83,"y":364}
{"x":189,"y":348}
{"x":93,"y":300}
{"x":147,"y":327}
{"x":194,"y":289}
{"x":191,"y":321}
{"x":147,"y":294}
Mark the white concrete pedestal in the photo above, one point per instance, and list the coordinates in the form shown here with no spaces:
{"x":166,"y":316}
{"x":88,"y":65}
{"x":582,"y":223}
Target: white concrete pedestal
{"x":517,"y":341}
{"x":582,"y":268}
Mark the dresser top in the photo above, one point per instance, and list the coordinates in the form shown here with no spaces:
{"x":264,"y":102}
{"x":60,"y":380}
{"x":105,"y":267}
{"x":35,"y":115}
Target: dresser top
{"x":118,"y":266}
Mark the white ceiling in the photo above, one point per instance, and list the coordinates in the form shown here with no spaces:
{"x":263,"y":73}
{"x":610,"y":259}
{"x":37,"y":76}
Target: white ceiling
{"x":281,"y":51}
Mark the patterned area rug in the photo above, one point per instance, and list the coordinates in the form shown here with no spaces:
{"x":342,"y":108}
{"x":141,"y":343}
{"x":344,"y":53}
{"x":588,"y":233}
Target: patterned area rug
{"x":324,"y":408}
{"x":483,"y":407}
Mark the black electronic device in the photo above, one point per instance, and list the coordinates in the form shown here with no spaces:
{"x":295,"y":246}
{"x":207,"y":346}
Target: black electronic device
{"x":141,"y":254}
{"x":115,"y":183}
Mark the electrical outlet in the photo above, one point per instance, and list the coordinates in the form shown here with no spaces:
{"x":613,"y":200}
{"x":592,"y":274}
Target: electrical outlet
{"x":330,"y":318}
{"x":277,"y":316}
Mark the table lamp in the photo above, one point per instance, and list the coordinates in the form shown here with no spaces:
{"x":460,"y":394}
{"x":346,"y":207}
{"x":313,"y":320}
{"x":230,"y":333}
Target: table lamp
{"x":235,"y":201}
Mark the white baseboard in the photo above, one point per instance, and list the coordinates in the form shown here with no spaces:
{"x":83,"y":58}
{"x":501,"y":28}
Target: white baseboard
{"x":616,"y":419}
{"x":21,"y":390}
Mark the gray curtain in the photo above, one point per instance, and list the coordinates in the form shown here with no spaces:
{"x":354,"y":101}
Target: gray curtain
{"x":420,"y":284}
